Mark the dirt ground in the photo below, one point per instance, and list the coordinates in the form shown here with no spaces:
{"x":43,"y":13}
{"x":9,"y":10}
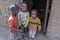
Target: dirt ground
{"x":4,"y":34}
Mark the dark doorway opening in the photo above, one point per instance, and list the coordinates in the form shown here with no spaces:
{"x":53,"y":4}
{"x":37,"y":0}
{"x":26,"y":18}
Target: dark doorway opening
{"x":41,"y":5}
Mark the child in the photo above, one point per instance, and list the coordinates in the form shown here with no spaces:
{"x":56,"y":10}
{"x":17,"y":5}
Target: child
{"x":34,"y":22}
{"x":13,"y":21}
{"x":23,"y":17}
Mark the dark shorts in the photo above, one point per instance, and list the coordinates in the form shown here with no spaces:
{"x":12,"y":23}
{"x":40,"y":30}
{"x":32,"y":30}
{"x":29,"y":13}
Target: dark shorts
{"x":26,"y":30}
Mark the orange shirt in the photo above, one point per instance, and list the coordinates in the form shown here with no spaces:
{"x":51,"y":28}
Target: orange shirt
{"x":13,"y":23}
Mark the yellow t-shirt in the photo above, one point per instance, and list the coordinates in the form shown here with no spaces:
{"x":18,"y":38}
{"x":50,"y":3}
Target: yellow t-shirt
{"x":34,"y":23}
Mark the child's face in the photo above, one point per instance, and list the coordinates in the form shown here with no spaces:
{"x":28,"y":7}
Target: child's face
{"x":15,"y":11}
{"x":34,"y":14}
{"x":24,"y":7}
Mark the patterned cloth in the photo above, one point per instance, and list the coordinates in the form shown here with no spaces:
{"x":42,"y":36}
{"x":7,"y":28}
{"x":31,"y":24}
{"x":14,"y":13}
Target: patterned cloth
{"x":34,"y":23}
{"x":23,"y":18}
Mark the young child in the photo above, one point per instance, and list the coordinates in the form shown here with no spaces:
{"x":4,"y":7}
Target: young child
{"x":23,"y":16}
{"x":13,"y":21}
{"x":34,"y":22}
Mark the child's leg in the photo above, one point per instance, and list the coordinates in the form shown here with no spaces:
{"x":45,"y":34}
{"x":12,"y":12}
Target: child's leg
{"x":11,"y":36}
{"x":33,"y":33}
{"x":30,"y":32}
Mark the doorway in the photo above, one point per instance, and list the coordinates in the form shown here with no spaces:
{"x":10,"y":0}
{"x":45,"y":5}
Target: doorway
{"x":42,"y":6}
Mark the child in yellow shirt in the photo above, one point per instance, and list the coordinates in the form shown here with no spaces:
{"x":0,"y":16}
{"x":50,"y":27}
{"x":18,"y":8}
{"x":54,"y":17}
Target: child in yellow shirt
{"x":34,"y":23}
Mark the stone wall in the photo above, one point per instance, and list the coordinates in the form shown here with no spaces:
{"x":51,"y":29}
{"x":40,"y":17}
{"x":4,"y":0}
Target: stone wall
{"x":4,"y":10}
{"x":53,"y":30}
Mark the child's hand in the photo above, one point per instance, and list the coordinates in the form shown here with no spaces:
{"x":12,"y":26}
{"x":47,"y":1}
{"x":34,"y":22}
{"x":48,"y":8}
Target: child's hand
{"x":15,"y":28}
{"x":22,"y":28}
{"x":19,"y":27}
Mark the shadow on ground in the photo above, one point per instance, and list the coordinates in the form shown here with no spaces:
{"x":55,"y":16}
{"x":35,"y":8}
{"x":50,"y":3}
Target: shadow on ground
{"x":4,"y":34}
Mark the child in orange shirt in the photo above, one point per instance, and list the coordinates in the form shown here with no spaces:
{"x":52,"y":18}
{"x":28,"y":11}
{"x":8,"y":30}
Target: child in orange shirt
{"x":13,"y":21}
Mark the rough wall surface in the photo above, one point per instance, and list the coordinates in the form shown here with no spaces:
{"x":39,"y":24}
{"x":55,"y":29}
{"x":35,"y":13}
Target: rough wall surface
{"x":4,"y":10}
{"x":53,"y":30}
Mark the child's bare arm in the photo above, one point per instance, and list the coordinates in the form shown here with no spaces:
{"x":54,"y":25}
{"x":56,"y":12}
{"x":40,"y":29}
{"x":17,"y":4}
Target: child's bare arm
{"x":39,"y":25}
{"x":27,"y":21}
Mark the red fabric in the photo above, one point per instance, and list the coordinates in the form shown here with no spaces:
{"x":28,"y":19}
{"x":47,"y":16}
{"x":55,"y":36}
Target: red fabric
{"x":13,"y":22}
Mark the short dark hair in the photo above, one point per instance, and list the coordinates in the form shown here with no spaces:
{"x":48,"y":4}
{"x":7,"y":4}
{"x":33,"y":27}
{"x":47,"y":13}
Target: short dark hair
{"x":24,"y":2}
{"x":34,"y":10}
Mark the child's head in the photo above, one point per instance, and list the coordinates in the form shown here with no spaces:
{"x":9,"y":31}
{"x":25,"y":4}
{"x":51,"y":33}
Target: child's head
{"x":14,"y":9}
{"x":34,"y":13}
{"x":24,"y":6}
